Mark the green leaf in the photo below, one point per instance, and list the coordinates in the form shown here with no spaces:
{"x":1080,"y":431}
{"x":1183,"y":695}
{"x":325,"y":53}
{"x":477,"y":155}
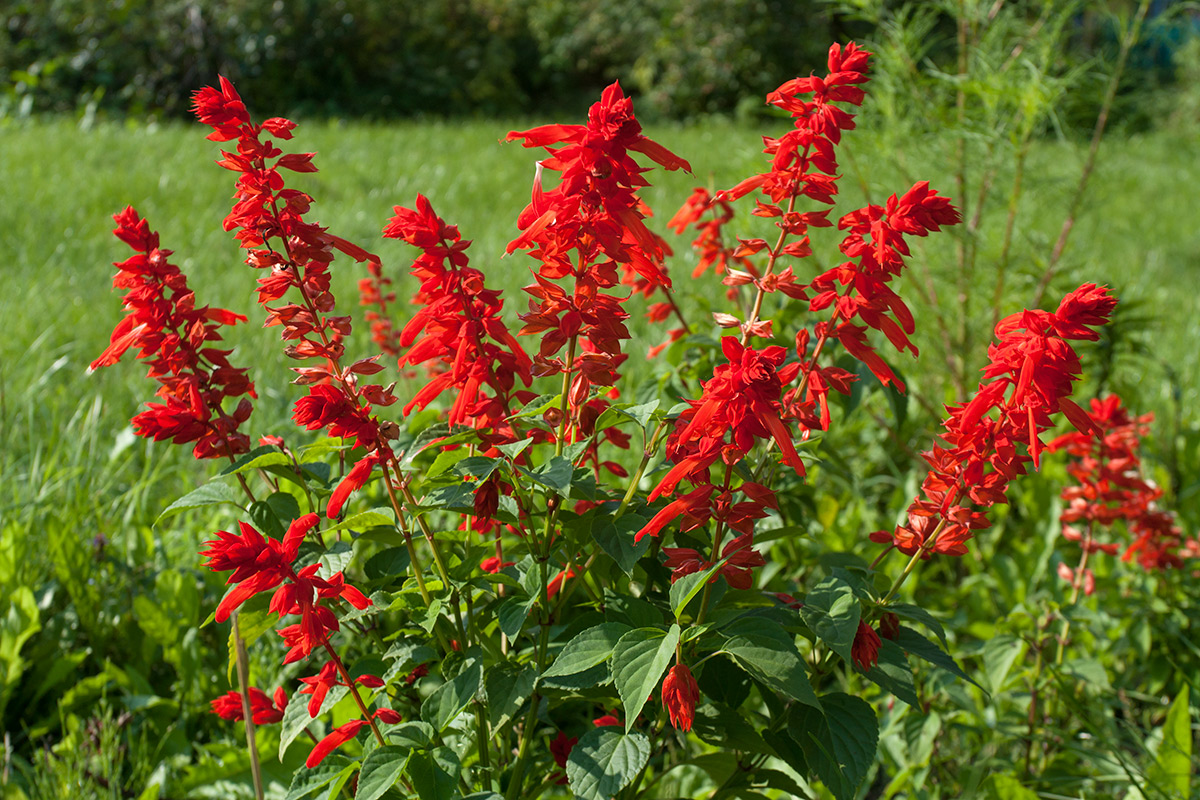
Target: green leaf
{"x":555,"y":474}
{"x":687,"y":587}
{"x":616,"y":539}
{"x":215,"y":492}
{"x":405,"y":655}
{"x":603,"y":762}
{"x":391,"y":563}
{"x":444,"y":461}
{"x":839,"y":745}
{"x":589,"y":648}
{"x":515,"y":449}
{"x":999,"y":654}
{"x":722,"y":727}
{"x":363,"y":520}
{"x":918,"y":614}
{"x":449,"y":699}
{"x":539,"y":405}
{"x":265,"y":456}
{"x":775,"y":663}
{"x":894,"y":674}
{"x":380,"y":771}
{"x":434,"y":774}
{"x":633,"y":610}
{"x":833,"y":612}
{"x":1172,"y":767}
{"x":917,"y":645}
{"x":642,"y":413}
{"x":1006,"y":787}
{"x":512,"y":614}
{"x":456,"y":496}
{"x":508,"y":686}
{"x":477,"y":467}
{"x":307,"y":781}
{"x":336,"y":558}
{"x":639,"y":660}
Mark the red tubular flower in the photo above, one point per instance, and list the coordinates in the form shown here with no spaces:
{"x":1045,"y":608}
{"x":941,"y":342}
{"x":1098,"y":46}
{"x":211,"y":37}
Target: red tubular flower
{"x":865,"y":649}
{"x":561,"y":747}
{"x":680,"y":693}
{"x":608,"y":721}
{"x":172,"y":334}
{"x":263,"y":710}
{"x":1033,"y":360}
{"x":493,"y":565}
{"x":266,"y":210}
{"x":260,"y":564}
{"x":586,"y":227}
{"x":1109,"y":485}
{"x":333,"y":741}
{"x":458,"y":332}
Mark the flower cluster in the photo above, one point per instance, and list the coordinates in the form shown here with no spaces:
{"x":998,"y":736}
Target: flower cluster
{"x":1032,"y":357}
{"x":261,"y":564}
{"x":1110,"y":489}
{"x":264,"y":709}
{"x":374,"y":296}
{"x":172,"y":334}
{"x":585,"y":228}
{"x":457,"y":327}
{"x":267,"y":211}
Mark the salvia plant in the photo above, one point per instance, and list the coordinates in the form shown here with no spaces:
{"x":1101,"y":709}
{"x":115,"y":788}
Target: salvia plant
{"x":513,"y":581}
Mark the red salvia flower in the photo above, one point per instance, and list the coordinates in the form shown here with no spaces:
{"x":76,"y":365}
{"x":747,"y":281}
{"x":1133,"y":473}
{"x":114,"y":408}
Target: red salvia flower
{"x":1032,"y":371}
{"x":865,"y":648}
{"x":345,"y":733}
{"x":680,"y":693}
{"x":1110,"y":489}
{"x":458,"y":330}
{"x":585,"y":228}
{"x":266,"y":210}
{"x":172,"y":334}
{"x":261,"y":564}
{"x":263,"y":710}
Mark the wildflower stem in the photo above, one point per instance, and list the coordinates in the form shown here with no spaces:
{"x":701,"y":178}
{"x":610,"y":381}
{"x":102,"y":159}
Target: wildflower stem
{"x":516,"y":782}
{"x":243,"y":673}
{"x":1076,"y":587}
{"x":341,"y":668}
{"x":418,"y":569}
{"x":771,"y":259}
{"x":922,"y":551}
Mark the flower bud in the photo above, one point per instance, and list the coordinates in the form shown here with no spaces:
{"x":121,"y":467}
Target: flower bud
{"x":680,"y":693}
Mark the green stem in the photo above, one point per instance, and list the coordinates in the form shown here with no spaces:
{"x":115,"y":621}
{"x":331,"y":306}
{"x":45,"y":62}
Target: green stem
{"x":243,"y":673}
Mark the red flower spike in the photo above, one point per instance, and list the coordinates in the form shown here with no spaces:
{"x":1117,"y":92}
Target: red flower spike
{"x":680,"y":693}
{"x":458,"y":332}
{"x":262,"y":710}
{"x":1109,"y":484}
{"x":1031,"y":373}
{"x":265,"y":210}
{"x":172,"y":334}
